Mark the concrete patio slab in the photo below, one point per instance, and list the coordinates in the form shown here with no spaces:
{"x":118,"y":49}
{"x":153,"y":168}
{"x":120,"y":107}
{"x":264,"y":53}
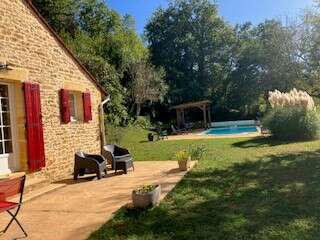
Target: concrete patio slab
{"x":78,"y":209}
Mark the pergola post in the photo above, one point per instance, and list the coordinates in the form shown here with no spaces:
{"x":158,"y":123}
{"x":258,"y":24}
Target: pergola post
{"x":183,"y":119}
{"x":209,"y":115}
{"x":204,"y":109}
{"x":203,"y":105}
{"x":178,"y":117}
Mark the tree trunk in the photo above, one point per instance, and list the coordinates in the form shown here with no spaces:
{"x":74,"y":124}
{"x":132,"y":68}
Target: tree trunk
{"x":138,"y":109}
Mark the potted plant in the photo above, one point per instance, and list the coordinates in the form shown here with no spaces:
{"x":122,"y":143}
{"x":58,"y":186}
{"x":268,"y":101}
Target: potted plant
{"x":193,"y":153}
{"x":145,"y":196}
{"x":184,"y":160}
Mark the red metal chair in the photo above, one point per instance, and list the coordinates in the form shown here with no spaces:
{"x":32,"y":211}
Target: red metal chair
{"x":10,"y":188}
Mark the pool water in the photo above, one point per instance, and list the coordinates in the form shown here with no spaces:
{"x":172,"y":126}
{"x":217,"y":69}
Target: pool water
{"x":231,"y":130}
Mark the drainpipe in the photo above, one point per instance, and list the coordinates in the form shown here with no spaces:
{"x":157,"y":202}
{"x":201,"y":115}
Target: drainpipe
{"x":102,"y":128}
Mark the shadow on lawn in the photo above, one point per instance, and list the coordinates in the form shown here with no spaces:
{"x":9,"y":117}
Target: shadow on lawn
{"x":263,"y":142}
{"x":277,"y":197}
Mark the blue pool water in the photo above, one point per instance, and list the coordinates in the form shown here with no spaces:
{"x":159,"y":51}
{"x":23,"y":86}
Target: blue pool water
{"x":231,"y":130}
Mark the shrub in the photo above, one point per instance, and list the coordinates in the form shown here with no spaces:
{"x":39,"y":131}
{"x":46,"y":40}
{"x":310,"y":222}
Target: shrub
{"x":182,"y":155}
{"x":196,"y":152}
{"x":295,"y":98}
{"x":292,"y":123}
{"x":114,"y":134}
{"x":143,"y":122}
{"x":145,"y":189}
{"x":193,"y":152}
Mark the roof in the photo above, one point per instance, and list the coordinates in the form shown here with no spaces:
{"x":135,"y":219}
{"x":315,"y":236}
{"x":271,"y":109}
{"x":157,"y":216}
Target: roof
{"x":62,"y":44}
{"x":191,"y":104}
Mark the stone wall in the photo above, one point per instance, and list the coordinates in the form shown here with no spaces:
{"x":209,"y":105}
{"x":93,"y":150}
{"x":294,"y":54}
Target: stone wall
{"x":26,"y":43}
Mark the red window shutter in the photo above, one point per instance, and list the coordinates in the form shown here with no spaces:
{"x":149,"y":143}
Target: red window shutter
{"x":65,"y":106}
{"x":34,"y":128}
{"x":87,"y":111}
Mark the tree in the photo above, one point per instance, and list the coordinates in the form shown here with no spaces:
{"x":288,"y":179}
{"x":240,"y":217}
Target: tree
{"x":105,"y":42}
{"x":148,"y":84}
{"x":61,"y":15}
{"x":193,"y":44}
{"x":307,"y":43}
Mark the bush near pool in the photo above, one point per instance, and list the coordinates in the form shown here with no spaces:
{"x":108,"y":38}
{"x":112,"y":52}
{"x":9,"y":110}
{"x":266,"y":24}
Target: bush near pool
{"x":293,"y":123}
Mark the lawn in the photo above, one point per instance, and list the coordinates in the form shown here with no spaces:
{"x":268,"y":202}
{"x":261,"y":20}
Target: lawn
{"x":242,"y":189}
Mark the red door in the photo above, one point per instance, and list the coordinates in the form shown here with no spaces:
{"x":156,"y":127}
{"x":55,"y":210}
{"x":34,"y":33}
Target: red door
{"x":34,"y":128}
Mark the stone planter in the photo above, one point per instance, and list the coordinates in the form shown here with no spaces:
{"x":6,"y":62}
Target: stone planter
{"x":143,"y":200}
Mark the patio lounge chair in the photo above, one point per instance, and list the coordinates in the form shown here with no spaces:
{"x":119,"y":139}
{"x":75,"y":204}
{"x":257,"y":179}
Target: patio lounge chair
{"x":10,"y":188}
{"x":89,"y":163}
{"x":178,"y":131}
{"x":119,"y":158}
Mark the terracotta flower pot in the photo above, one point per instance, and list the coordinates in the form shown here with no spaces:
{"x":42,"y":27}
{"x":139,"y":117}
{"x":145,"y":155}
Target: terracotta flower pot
{"x":143,"y":200}
{"x":184,"y":165}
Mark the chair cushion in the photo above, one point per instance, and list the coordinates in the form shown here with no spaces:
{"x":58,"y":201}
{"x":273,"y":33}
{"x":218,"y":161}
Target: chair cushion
{"x":81,"y":154}
{"x":127,"y":158}
{"x":4,"y":205}
{"x":109,"y":148}
{"x":123,"y":156}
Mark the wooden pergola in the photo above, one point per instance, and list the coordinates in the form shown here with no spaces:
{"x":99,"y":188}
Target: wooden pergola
{"x":203,"y":105}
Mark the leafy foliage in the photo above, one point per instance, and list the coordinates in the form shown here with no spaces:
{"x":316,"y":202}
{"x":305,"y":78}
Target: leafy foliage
{"x":145,"y":189}
{"x":114,"y":134}
{"x":194,"y":55}
{"x":143,"y":122}
{"x":196,"y":152}
{"x":147,"y":84}
{"x":181,"y":155}
{"x":234,"y":67}
{"x":193,"y":44}
{"x":293,"y":123}
{"x":106,"y":43}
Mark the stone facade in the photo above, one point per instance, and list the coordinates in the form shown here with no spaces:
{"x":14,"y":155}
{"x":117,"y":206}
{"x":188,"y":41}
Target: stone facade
{"x":26,"y":43}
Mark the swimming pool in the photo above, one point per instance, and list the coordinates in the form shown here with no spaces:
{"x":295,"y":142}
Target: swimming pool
{"x":229,"y":130}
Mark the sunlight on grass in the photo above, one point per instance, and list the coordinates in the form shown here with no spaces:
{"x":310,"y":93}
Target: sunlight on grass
{"x":243,"y":189}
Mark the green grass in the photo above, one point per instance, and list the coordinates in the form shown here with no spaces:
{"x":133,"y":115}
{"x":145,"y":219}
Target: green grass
{"x":243,"y":189}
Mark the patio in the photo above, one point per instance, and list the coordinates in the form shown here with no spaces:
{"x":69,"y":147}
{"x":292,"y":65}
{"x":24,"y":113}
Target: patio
{"x":78,"y":209}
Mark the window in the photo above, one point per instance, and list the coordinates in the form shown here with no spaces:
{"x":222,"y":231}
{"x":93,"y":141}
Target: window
{"x":5,"y":123}
{"x":73,"y":107}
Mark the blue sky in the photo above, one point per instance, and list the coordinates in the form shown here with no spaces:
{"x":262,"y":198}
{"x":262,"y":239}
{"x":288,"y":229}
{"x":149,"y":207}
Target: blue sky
{"x":233,"y":11}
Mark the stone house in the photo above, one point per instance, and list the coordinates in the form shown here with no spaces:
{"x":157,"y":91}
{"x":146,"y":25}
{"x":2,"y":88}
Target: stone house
{"x":49,"y":103}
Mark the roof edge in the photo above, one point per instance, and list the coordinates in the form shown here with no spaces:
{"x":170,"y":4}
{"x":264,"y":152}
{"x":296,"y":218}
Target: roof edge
{"x":62,"y":44}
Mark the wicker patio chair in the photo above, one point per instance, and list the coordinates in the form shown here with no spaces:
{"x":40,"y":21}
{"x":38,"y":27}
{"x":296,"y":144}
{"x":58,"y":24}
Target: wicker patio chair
{"x":89,"y":163}
{"x":119,"y":158}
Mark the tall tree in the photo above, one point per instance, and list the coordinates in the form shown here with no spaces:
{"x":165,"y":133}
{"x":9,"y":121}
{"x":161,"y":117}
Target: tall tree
{"x":105,"y":42}
{"x":193,"y":44}
{"x":61,"y":15}
{"x":148,"y":84}
{"x":264,"y":59}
